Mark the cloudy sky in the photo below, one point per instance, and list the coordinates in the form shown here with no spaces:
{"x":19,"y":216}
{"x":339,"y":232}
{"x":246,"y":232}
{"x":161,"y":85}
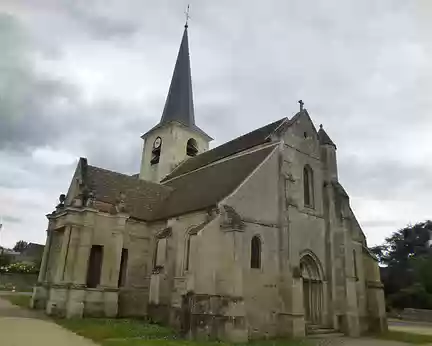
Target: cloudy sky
{"x":88,"y":77}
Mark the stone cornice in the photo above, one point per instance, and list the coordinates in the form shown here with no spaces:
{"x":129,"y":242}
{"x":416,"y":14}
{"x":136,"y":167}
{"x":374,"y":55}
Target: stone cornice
{"x":375,"y":284}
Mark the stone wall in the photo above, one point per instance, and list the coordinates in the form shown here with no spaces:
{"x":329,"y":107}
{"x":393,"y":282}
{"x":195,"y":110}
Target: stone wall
{"x":417,"y":315}
{"x":21,"y":282}
{"x":173,"y":150}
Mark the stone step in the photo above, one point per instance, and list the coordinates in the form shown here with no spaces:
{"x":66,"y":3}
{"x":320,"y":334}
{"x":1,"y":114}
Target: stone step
{"x":313,"y":330}
{"x":333,"y":335}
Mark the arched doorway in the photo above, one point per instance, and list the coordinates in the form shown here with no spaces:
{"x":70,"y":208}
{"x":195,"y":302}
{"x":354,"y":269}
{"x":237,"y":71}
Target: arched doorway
{"x":312,"y":289}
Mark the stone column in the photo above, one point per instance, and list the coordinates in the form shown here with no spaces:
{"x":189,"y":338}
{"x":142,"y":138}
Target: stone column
{"x":111,"y":261}
{"x":82,"y":256}
{"x":76,"y":269}
{"x":73,"y":243}
{"x":40,"y":293}
{"x":111,"y":267}
{"x":45,"y":257}
{"x":61,"y":261}
{"x":58,"y":291}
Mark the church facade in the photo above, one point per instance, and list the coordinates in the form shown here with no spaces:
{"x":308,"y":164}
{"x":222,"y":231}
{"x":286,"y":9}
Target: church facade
{"x":252,"y":239}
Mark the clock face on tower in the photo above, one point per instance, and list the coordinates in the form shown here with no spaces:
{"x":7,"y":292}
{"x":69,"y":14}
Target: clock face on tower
{"x":157,"y":143}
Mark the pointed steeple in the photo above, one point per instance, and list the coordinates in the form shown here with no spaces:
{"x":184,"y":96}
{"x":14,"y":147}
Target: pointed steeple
{"x":179,"y":102}
{"x":324,"y":138}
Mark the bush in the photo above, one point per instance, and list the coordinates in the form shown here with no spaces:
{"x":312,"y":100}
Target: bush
{"x":414,"y":296}
{"x":19,"y":268}
{"x":4,"y":259}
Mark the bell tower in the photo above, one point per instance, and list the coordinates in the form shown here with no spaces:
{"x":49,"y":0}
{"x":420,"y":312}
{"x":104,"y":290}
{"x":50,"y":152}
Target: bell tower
{"x":176,"y":137}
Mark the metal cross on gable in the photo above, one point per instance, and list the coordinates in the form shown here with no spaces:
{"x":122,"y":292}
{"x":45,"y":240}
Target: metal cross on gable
{"x":301,"y":104}
{"x":187,"y":15}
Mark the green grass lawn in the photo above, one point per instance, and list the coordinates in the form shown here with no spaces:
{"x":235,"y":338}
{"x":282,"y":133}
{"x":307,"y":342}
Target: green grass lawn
{"x":158,"y":342}
{"x":99,"y":329}
{"x":125,"y":332}
{"x":411,"y":338}
{"x":129,"y":332}
{"x":18,"y":299}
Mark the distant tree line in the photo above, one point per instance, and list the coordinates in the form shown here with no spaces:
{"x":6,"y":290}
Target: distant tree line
{"x":6,"y":259}
{"x":406,"y":272}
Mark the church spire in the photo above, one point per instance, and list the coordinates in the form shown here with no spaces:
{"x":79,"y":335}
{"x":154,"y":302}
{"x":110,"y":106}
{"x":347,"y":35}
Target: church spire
{"x":179,"y":102}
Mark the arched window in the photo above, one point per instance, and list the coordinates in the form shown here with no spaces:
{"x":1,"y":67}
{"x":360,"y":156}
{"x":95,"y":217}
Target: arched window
{"x":187,"y":265}
{"x":155,"y":254}
{"x":256,"y":252}
{"x":156,"y":151}
{"x":191,"y":147}
{"x":355,"y":265}
{"x":308,"y":187}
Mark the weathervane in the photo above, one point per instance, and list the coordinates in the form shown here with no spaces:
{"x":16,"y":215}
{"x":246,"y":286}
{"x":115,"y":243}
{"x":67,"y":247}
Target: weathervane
{"x":187,"y":16}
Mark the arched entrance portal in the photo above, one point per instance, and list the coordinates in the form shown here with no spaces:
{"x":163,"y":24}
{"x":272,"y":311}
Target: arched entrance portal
{"x":312,"y":289}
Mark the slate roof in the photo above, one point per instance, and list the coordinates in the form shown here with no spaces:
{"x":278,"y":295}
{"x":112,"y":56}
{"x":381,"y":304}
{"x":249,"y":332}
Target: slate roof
{"x":179,"y":105}
{"x":207,"y":186}
{"x":339,"y":188}
{"x":197,"y":190}
{"x":324,"y":138}
{"x":142,"y":197}
{"x":237,"y":145}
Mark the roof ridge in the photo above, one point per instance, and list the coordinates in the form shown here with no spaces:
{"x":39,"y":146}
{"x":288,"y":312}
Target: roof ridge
{"x":205,"y":187}
{"x":227,"y":145}
{"x":127,"y":176}
{"x":223,"y":159}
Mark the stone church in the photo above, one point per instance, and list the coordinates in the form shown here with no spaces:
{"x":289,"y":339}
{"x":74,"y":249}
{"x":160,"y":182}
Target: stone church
{"x":252,"y":239}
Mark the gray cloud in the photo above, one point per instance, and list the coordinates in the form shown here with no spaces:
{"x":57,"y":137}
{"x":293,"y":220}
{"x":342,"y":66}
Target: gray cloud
{"x":101,"y":25}
{"x":11,"y":219}
{"x":88,"y":80}
{"x":385,"y":179}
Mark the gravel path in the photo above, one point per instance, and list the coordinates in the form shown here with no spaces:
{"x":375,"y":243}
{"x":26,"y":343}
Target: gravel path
{"x":23,"y":327}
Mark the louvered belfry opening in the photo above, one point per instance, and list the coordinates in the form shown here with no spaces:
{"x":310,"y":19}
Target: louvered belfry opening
{"x":191,"y":147}
{"x":155,"y":155}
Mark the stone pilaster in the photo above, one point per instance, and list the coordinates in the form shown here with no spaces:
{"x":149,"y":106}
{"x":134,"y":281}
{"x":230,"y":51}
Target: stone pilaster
{"x":76,"y":270}
{"x":352,"y":325}
{"x":376,"y":307}
{"x":44,"y":262}
{"x":40,"y":292}
{"x":61,"y":261}
{"x":82,"y":256}
{"x":297,"y":324}
{"x":70,"y":259}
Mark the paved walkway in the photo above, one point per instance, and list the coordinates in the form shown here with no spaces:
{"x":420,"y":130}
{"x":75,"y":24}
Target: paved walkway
{"x":345,"y":341}
{"x":410,"y":326}
{"x":24,"y":327}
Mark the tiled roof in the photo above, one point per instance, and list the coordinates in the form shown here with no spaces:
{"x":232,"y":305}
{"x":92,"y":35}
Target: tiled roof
{"x":238,"y":144}
{"x":207,"y":186}
{"x":198,"y":183}
{"x":196,"y":190}
{"x":141,"y":197}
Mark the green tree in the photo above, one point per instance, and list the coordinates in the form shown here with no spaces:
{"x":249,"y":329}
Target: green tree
{"x":4,"y":259}
{"x":406,"y":259}
{"x":20,"y":246}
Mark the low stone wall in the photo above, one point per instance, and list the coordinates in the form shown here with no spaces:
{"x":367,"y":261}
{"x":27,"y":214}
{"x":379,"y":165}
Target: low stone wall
{"x":417,"y":315}
{"x":22,"y":282}
{"x":133,"y":302}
